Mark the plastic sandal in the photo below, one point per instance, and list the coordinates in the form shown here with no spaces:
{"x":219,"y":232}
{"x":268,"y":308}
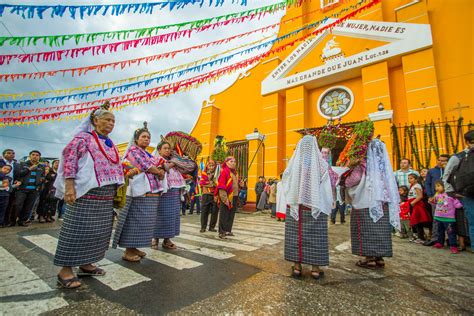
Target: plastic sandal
{"x":169,"y":245}
{"x":295,"y":273}
{"x":367,"y":264}
{"x":96,"y":272}
{"x":66,"y":283}
{"x":317,"y":275}
{"x":133,"y":258}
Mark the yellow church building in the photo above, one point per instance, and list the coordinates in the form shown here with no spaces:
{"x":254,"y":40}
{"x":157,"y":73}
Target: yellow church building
{"x":398,"y":63}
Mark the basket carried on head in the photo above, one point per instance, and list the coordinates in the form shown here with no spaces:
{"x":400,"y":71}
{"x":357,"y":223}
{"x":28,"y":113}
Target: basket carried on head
{"x":185,"y":150}
{"x":184,"y":144}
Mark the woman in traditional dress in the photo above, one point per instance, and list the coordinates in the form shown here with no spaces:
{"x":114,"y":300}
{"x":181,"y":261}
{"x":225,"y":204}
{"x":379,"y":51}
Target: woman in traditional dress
{"x":307,"y":189}
{"x":137,"y":219}
{"x":281,"y":201}
{"x":208,"y":185}
{"x":168,"y":218}
{"x":375,"y":205}
{"x":228,"y":193}
{"x":88,"y":176}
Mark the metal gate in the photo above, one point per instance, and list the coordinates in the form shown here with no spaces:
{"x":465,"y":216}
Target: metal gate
{"x":422,"y":143}
{"x":240,"y":150}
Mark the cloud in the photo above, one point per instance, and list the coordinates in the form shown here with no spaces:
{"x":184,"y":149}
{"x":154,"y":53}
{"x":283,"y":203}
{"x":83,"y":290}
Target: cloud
{"x":176,"y":112}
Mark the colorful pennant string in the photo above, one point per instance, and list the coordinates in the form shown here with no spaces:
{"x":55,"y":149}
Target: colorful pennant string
{"x":158,"y":79}
{"x":80,"y":71}
{"x":81,"y":11}
{"x":193,"y":67}
{"x":196,"y":26}
{"x":154,"y":93}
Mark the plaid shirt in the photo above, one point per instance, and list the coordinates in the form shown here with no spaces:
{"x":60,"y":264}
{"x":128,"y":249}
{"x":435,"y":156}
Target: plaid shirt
{"x":402,"y":177}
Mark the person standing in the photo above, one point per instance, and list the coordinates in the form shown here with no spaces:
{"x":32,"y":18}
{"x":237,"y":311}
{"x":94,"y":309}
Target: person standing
{"x":5,"y":189}
{"x":339,"y":205}
{"x":137,"y":220}
{"x":88,"y":176}
{"x":52,"y":200}
{"x":27,"y":193}
{"x":432,"y":176}
{"x":375,"y":205}
{"x":17,"y":171}
{"x":168,"y":219}
{"x":281,"y":201}
{"x":259,"y":187}
{"x":195,"y":195}
{"x":465,"y":215}
{"x":272,"y":197}
{"x":228,"y":194}
{"x":208,"y":186}
{"x":401,"y":175}
{"x":308,"y":192}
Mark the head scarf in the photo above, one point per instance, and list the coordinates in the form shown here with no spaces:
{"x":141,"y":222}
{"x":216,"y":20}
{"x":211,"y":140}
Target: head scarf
{"x":380,"y":184}
{"x":224,"y":165}
{"x":133,"y":140}
{"x":87,"y":125}
{"x":306,"y":179}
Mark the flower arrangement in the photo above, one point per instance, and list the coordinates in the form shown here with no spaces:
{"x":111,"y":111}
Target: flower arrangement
{"x":220,"y":152}
{"x":328,"y":135}
{"x":356,"y":148}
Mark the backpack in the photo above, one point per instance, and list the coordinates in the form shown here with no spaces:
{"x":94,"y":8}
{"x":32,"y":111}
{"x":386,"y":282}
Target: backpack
{"x":462,"y":178}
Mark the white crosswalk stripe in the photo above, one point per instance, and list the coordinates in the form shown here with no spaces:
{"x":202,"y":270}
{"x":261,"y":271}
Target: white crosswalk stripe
{"x":170,"y":260}
{"x":258,"y":241}
{"x":250,"y":236}
{"x":269,"y":224}
{"x":241,"y":232}
{"x":259,"y":229}
{"x":117,"y":277}
{"x":216,"y":254}
{"x":217,"y":242}
{"x":16,"y":279}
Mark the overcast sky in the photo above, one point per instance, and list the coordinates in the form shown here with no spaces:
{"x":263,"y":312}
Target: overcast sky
{"x":176,"y":112}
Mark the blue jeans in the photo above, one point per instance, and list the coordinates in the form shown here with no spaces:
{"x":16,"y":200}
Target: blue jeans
{"x":196,"y":200}
{"x":341,"y":207}
{"x":468,"y":204}
{"x":450,"y":228}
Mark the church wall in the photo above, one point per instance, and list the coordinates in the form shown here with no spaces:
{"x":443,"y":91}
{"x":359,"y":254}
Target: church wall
{"x":419,"y":86}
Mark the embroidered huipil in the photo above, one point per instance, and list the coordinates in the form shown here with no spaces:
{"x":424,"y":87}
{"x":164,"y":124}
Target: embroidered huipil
{"x":446,"y":207}
{"x":146,"y":182}
{"x":83,"y":161}
{"x":174,"y":179}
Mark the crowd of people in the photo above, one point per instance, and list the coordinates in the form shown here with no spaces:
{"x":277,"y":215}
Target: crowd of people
{"x":27,"y":192}
{"x":432,"y":208}
{"x":152,"y":192}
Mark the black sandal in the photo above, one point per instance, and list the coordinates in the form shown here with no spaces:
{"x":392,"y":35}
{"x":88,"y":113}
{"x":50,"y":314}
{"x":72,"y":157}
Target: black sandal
{"x":295,"y":273}
{"x":96,"y":272}
{"x":317,"y":275}
{"x":380,"y":263}
{"x":66,"y":283}
{"x":367,"y":264}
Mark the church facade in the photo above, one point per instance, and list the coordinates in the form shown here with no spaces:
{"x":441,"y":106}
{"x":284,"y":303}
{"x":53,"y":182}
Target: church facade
{"x":398,"y":62}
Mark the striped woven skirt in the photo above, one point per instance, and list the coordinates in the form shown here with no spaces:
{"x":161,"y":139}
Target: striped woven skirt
{"x":85,"y":234}
{"x":368,"y":238}
{"x":137,"y":221}
{"x":167,"y":217}
{"x":306,"y":240}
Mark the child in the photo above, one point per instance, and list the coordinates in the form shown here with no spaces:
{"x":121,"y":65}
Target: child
{"x":405,"y":213}
{"x":5,"y":189}
{"x":445,"y":215}
{"x":419,"y":215}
